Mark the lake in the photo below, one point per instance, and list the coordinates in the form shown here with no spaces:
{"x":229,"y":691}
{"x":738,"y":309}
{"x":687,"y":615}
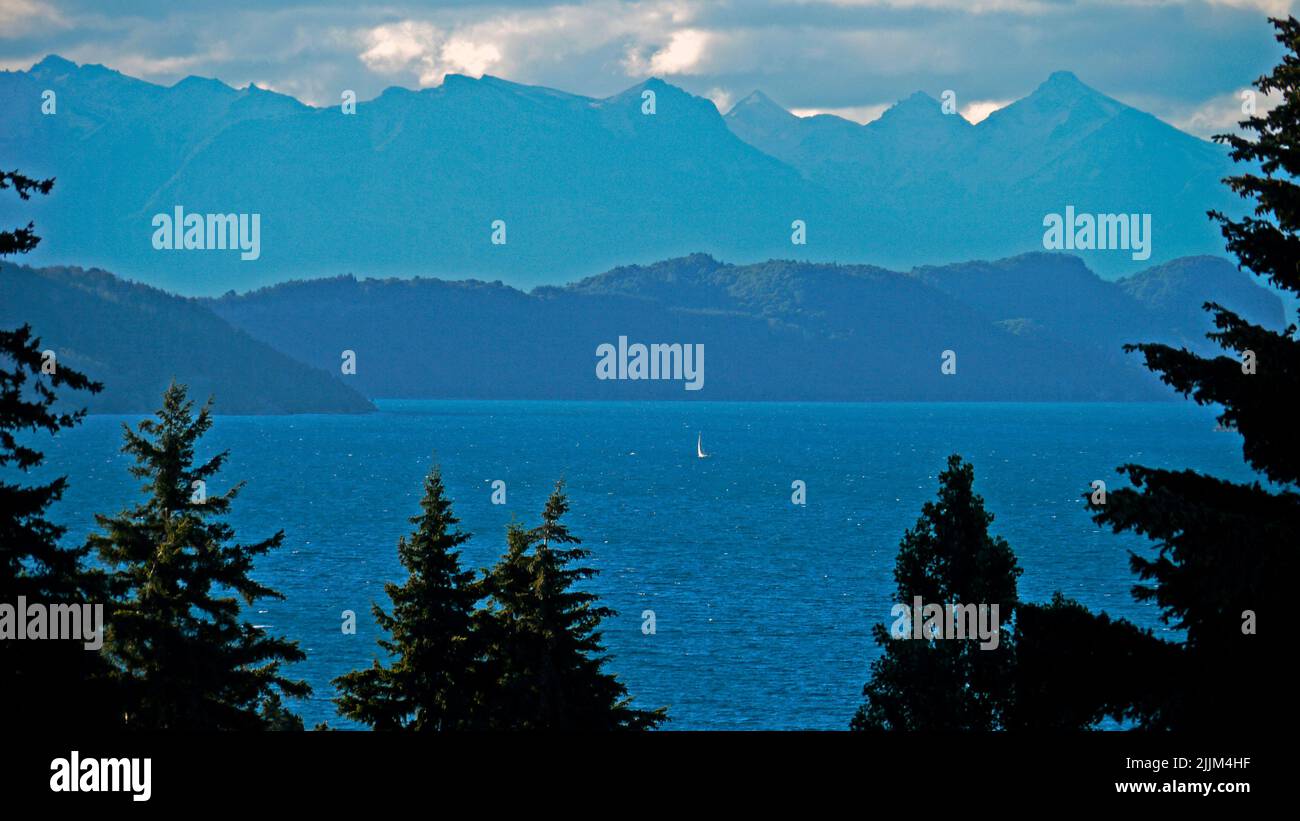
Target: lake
{"x":763,"y":608}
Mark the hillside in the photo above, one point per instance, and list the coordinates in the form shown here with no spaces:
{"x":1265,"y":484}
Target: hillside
{"x":1034,"y":328}
{"x":136,"y":339}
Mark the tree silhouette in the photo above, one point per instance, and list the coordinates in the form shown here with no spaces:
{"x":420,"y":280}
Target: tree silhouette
{"x":1224,"y":550}
{"x":40,"y":680}
{"x":1075,"y":668}
{"x":433,"y":683}
{"x":546,"y":656}
{"x":21,"y":240}
{"x":947,"y":558}
{"x":188,"y":659}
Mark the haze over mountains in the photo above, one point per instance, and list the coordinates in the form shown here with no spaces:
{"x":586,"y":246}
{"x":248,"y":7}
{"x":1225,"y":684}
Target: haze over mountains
{"x":982,"y":190}
{"x":412,"y":182}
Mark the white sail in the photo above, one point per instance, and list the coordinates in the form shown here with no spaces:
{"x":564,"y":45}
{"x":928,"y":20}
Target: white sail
{"x":699,"y":447}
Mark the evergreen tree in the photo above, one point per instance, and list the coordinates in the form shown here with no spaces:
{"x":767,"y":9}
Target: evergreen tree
{"x":1074,"y":668}
{"x":1225,"y":551}
{"x":188,"y":660}
{"x":432,"y":684}
{"x":948,"y":558}
{"x":21,"y":240}
{"x":279,"y":718}
{"x":45,"y":683}
{"x":546,"y":653}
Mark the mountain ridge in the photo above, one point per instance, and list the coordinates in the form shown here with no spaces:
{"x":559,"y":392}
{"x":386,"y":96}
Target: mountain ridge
{"x":136,"y":339}
{"x":416,"y":180}
{"x":781,"y":330}
{"x":1035,"y":327}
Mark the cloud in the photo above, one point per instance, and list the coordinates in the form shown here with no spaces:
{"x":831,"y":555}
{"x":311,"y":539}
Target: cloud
{"x":684,"y":53}
{"x":848,"y":57}
{"x":396,"y":47}
{"x":859,"y":114}
{"x":524,"y":43}
{"x":426,"y":51}
{"x":1221,"y":114}
{"x":469,"y":57}
{"x":978,"y":110}
{"x":967,"y":6}
{"x":722,"y":99}
{"x":140,"y":65}
{"x":1273,"y":8}
{"x":23,"y":17}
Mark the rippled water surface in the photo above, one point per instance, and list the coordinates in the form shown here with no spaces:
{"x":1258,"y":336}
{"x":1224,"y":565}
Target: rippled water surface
{"x":763,"y":608}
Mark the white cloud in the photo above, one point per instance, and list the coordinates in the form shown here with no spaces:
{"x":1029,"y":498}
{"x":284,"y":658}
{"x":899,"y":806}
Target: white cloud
{"x":859,"y":113}
{"x":430,"y":53}
{"x":1036,"y":7}
{"x":683,"y":55}
{"x":22,"y":17}
{"x":722,"y":99}
{"x":968,"y":6}
{"x":1273,"y":8}
{"x":139,"y":65}
{"x":465,"y":56}
{"x":656,"y":37}
{"x":978,"y":110}
{"x":839,"y":55}
{"x":1221,"y":114}
{"x":395,"y":47}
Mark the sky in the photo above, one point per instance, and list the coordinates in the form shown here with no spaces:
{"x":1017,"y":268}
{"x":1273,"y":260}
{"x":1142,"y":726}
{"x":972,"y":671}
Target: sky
{"x":1186,"y":61}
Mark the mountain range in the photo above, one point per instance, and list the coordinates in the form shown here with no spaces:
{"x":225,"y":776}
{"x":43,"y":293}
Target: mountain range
{"x":1036,"y":327}
{"x":414,"y":180}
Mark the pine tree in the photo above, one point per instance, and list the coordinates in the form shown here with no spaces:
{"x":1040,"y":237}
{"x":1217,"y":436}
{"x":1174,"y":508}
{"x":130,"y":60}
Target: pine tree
{"x":1075,"y":668}
{"x":47,"y":683}
{"x":188,"y":659}
{"x":21,"y":240}
{"x":947,"y":558}
{"x":1224,"y":550}
{"x":546,"y":647}
{"x":433,"y":683}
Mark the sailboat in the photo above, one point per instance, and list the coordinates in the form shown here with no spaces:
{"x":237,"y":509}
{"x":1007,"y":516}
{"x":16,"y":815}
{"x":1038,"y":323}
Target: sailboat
{"x":699,"y":448}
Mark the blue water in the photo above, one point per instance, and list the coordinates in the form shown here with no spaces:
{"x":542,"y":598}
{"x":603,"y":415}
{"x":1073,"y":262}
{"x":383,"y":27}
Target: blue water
{"x":763,"y":608}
